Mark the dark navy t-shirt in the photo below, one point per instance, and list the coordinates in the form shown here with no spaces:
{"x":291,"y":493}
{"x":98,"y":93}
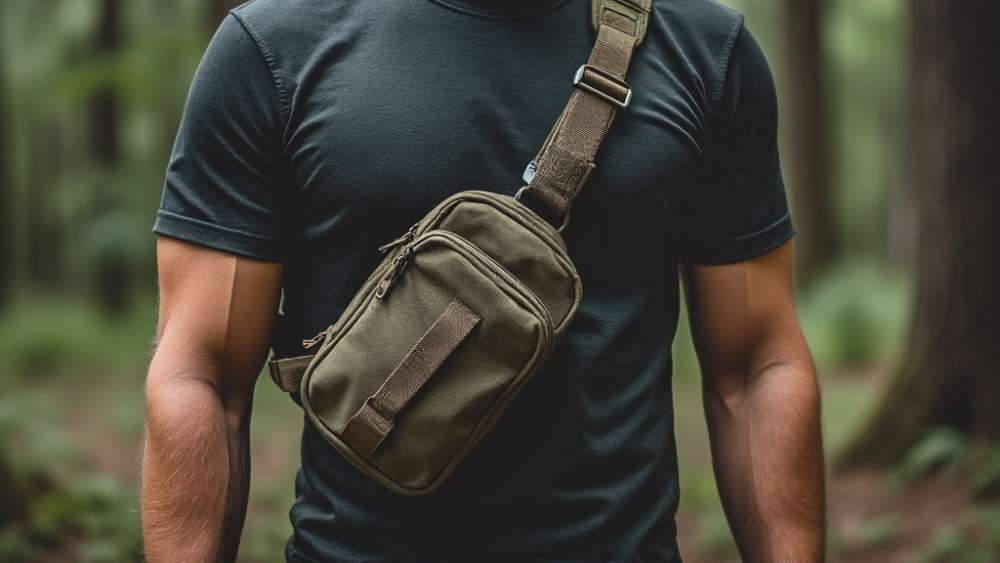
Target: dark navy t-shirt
{"x":317,"y":130}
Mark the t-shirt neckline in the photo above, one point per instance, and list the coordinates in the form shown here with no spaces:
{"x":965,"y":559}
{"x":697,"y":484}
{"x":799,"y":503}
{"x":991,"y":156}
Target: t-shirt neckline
{"x":501,"y":9}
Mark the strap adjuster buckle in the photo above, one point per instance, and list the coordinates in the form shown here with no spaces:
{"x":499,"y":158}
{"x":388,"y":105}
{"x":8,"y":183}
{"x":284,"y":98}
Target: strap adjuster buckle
{"x":608,"y":87}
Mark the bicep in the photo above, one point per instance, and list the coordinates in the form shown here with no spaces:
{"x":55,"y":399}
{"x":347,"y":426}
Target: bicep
{"x":216,"y":311}
{"x":743,"y":314}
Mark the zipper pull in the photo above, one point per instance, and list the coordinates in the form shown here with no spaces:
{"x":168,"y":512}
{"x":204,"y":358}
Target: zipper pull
{"x":398,"y":265}
{"x":407,"y":237}
{"x":310,"y":342}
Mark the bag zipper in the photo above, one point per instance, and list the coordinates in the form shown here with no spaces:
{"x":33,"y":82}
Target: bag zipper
{"x":395,"y":269}
{"x":471,"y":253}
{"x":406,"y":254}
{"x":398,"y":263}
{"x":407,"y":237}
{"x":535,"y":224}
{"x":309,"y":343}
{"x":389,"y":273}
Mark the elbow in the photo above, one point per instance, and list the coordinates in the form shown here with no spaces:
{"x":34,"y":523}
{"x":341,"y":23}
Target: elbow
{"x":725,"y":391}
{"x":189,"y":388}
{"x":177,"y":404}
{"x":731,"y":387}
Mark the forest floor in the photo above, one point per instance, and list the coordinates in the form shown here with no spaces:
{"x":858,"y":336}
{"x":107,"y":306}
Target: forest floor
{"x":924,"y":510}
{"x":91,"y":437}
{"x":874,"y":522}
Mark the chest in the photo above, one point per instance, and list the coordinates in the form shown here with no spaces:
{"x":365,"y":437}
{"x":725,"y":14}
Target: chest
{"x":389,"y":123}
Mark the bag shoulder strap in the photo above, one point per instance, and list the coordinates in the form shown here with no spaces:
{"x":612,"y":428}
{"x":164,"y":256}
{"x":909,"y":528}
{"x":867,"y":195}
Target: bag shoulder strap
{"x":566,"y":159}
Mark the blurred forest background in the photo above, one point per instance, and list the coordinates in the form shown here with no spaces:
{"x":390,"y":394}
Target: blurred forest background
{"x":889,"y":125}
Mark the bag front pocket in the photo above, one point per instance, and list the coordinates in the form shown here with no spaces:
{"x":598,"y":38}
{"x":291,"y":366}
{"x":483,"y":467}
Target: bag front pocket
{"x":412,"y":380}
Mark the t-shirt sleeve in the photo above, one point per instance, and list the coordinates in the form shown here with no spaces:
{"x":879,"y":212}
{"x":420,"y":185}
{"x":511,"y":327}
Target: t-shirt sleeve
{"x":740,"y":210}
{"x":223,"y":179}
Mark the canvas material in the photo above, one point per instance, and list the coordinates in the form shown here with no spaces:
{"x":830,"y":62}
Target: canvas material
{"x":499,"y":259}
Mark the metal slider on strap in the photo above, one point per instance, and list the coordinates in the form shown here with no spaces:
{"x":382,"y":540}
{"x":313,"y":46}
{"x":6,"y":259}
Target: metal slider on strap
{"x":606,"y":86}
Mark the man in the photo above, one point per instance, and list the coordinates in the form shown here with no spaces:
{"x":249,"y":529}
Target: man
{"x":317,"y":130}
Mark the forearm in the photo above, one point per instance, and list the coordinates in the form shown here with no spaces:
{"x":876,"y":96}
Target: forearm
{"x":767,"y":452}
{"x":195,"y":471}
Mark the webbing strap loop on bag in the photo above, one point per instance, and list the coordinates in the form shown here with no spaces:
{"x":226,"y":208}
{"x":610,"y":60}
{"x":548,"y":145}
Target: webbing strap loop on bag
{"x":373,"y":421}
{"x":566,"y":159}
{"x":287,"y":372}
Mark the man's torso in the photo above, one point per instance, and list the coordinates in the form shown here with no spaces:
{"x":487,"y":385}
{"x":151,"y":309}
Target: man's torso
{"x":393,"y":106}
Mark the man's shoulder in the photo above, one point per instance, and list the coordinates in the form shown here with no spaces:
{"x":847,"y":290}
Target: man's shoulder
{"x":710,"y":8}
{"x":698,"y":24}
{"x":698,"y":35}
{"x":286,"y":11}
{"x":294,"y":22}
{"x":289,"y":32}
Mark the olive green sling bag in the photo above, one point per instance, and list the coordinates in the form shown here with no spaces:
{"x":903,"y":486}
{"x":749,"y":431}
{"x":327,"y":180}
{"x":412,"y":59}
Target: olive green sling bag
{"x":468,"y":304}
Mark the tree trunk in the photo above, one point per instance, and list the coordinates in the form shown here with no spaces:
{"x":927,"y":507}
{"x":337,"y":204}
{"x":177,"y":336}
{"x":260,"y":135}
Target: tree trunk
{"x":803,"y":119}
{"x":105,"y":111}
{"x":949,"y":376}
{"x":111,"y":275}
{"x":6,"y":196}
{"x":44,"y":255}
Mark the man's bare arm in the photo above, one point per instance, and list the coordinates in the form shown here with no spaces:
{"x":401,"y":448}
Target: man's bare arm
{"x":216,"y":314}
{"x":762,"y":405}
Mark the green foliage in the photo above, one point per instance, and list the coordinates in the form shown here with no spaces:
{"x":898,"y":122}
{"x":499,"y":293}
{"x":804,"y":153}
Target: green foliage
{"x":97,"y":514}
{"x":48,"y":337}
{"x":879,"y":530}
{"x":266,"y":537}
{"x":951,"y":544}
{"x":855,"y":315}
{"x":940,"y":448}
{"x":44,"y":342}
{"x":948,"y":450}
{"x":95,"y":508}
{"x":63,"y":505}
{"x":945,"y":546}
{"x":846,"y":397}
{"x":986,"y":477}
{"x":865,"y":45}
{"x":714,"y":535}
{"x":15,"y":547}
{"x":29,"y":441}
{"x":700,"y":490}
{"x":989,"y":520}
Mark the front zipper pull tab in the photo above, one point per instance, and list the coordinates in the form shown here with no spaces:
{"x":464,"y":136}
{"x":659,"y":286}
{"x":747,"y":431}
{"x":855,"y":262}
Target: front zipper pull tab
{"x":310,"y":342}
{"x":395,"y":269}
{"x":405,"y":239}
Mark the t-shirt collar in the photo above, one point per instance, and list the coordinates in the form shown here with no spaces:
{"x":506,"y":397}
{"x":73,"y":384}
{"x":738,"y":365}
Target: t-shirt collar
{"x":500,"y":8}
